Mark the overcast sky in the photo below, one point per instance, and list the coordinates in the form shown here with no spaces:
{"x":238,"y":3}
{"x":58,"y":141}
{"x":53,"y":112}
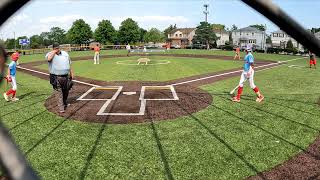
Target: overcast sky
{"x":40,"y":15}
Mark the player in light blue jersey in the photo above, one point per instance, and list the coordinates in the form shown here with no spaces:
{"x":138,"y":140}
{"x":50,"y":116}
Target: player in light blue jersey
{"x":11,"y":77}
{"x":248,"y":73}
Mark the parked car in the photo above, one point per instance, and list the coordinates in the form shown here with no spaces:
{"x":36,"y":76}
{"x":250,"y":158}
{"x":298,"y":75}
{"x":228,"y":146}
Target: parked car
{"x":176,"y":46}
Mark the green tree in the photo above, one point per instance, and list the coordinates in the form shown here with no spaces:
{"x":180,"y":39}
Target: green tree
{"x":9,"y":44}
{"x":204,"y":34}
{"x":261,"y":27}
{"x":234,"y":27}
{"x":154,"y":35}
{"x":80,"y":32}
{"x":169,"y":29}
{"x":289,"y":45}
{"x":57,"y":35}
{"x":105,"y":32}
{"x":129,"y":31}
{"x":35,"y":42}
{"x":218,"y":27}
{"x":142,"y":34}
{"x":45,"y":41}
{"x":268,"y":40}
{"x":315,"y":30}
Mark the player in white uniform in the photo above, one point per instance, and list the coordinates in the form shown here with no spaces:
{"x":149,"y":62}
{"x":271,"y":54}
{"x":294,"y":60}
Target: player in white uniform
{"x":248,"y":73}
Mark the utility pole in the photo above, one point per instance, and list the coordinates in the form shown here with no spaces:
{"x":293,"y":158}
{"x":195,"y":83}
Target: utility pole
{"x":14,"y":37}
{"x":206,"y":12}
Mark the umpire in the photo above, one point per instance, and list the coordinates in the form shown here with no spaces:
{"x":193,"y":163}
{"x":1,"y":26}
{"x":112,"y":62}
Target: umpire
{"x":61,"y":74}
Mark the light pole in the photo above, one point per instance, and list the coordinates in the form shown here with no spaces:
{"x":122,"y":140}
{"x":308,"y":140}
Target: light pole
{"x":206,"y":12}
{"x":14,"y":37}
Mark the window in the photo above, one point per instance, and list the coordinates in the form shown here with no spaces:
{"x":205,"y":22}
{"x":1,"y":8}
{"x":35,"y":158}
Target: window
{"x":176,"y":35}
{"x":253,"y":41}
{"x":252,"y":34}
{"x":180,"y":35}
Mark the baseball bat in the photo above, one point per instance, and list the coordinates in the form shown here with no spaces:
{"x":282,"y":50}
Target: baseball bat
{"x":233,"y":90}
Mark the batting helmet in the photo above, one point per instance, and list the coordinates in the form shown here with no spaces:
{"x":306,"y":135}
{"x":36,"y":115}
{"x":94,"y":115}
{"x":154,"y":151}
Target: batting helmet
{"x":15,"y":56}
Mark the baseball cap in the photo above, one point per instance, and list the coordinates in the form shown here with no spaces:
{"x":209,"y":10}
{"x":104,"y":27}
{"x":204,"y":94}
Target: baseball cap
{"x":248,"y":49}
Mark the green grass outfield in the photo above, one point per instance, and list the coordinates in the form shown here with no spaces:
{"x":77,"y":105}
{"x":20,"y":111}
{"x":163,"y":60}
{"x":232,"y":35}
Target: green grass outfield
{"x":224,"y":141}
{"x":109,"y":70}
{"x":264,"y":56}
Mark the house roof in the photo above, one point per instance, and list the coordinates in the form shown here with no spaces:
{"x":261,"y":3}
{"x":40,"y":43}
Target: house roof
{"x":249,"y":29}
{"x":183,"y":30}
{"x":220,"y":31}
{"x":279,"y":31}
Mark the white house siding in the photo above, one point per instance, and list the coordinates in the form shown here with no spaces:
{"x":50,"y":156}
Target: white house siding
{"x":223,"y":38}
{"x":249,"y":36}
{"x":280,"y":38}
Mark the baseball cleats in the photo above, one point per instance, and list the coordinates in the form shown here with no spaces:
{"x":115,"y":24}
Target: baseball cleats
{"x":15,"y":99}
{"x":260,"y":98}
{"x":236,"y":99}
{"x":6,"y":97}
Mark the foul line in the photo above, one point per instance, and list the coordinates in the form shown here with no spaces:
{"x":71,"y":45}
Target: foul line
{"x":227,"y":73}
{"x":39,"y":72}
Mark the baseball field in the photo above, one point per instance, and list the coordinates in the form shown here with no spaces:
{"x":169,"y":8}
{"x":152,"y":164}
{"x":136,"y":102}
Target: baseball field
{"x":170,"y":119}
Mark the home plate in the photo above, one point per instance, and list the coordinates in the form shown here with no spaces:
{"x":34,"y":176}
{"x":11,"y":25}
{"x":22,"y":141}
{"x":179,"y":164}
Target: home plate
{"x":129,"y":93}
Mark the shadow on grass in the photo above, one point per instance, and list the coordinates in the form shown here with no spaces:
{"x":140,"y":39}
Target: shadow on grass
{"x":216,"y":136}
{"x":54,"y":129}
{"x":21,"y":108}
{"x":26,"y":120}
{"x":160,"y":149}
{"x":8,"y":104}
{"x":266,"y":131}
{"x":95,"y":145}
{"x":277,"y":115}
{"x":26,"y":95}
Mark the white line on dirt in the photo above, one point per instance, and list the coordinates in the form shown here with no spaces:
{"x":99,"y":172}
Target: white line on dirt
{"x":227,"y":73}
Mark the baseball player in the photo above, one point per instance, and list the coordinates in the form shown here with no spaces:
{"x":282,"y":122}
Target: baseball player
{"x":11,"y":77}
{"x":313,"y":60}
{"x":96,"y":57}
{"x":128,"y":49}
{"x":237,"y":55}
{"x":248,"y":73}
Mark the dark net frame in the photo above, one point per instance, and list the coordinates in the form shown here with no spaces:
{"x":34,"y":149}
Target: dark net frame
{"x":13,"y":162}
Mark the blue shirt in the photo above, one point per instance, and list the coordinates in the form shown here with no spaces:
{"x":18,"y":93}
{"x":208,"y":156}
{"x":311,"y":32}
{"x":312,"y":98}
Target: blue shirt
{"x":248,"y":59}
{"x":13,"y":68}
{"x":60,"y":64}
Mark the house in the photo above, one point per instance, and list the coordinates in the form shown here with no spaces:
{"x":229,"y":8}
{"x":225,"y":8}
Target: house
{"x":280,"y":38}
{"x":181,"y":37}
{"x":249,"y":36}
{"x":223,"y":37}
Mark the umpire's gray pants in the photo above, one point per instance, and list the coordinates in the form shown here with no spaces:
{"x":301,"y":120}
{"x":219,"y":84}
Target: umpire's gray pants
{"x":63,"y":92}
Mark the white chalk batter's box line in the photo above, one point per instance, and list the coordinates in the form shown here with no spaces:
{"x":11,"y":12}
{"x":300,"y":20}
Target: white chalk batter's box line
{"x":142,"y":100}
{"x":114,"y":97}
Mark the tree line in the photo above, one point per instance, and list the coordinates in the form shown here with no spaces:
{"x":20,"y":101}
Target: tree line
{"x":81,"y":33}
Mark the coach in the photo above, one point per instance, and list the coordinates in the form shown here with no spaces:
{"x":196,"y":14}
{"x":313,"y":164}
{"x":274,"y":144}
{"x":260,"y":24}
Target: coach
{"x":61,"y":74}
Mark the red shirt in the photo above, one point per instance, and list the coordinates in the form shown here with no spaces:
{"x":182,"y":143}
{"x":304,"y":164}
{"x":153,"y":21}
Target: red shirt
{"x":237,"y":50}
